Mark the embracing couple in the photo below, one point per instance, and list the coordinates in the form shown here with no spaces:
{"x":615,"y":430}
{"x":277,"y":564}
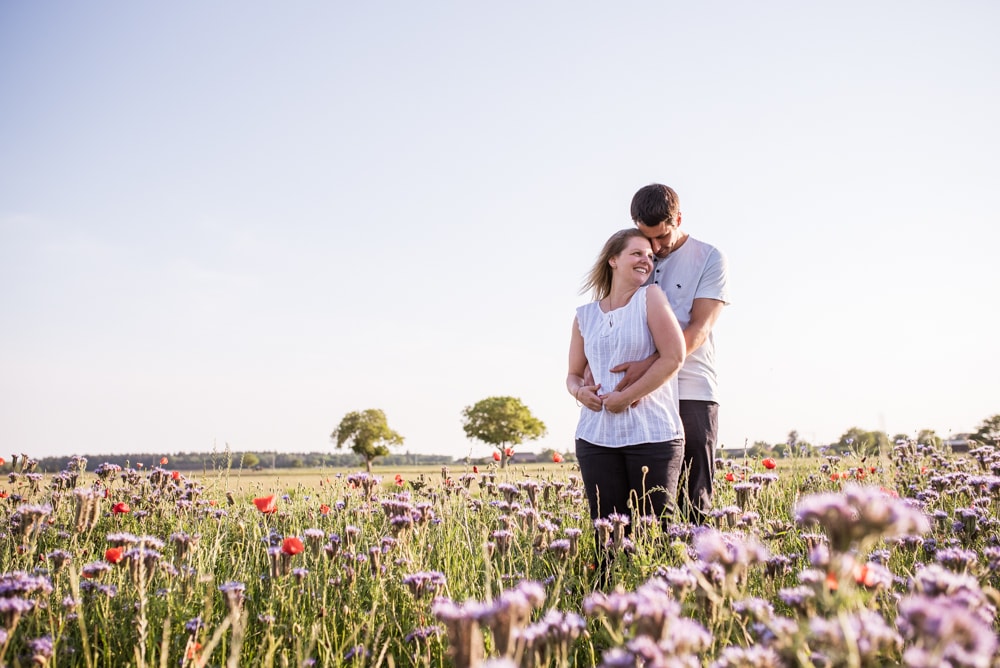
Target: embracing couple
{"x":642,"y":365}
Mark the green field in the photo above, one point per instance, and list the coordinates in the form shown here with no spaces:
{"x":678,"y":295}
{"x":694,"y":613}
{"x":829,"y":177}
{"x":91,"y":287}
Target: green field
{"x":811,"y":562}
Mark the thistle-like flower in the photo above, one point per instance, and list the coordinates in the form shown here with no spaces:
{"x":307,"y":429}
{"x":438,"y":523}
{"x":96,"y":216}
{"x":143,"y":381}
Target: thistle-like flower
{"x":425,"y":584}
{"x":859,"y":516}
{"x":465,"y":639}
{"x":735,"y":553}
{"x":941,"y":631}
{"x":510,"y":613}
{"x":234,"y":593}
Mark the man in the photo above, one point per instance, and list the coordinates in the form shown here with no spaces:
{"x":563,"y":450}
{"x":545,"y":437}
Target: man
{"x":693,"y":274}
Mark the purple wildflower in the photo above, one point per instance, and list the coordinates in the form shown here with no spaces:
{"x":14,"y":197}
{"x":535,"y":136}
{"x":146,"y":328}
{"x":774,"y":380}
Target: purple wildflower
{"x":859,"y":516}
{"x":41,"y":650}
{"x":425,"y":584}
{"x":943,"y":632}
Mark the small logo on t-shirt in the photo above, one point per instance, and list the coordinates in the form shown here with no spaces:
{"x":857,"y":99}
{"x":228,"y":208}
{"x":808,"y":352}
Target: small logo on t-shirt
{"x":678,"y":286}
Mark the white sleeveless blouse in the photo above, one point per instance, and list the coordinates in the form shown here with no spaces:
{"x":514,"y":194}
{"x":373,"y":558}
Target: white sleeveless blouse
{"x":609,"y":339}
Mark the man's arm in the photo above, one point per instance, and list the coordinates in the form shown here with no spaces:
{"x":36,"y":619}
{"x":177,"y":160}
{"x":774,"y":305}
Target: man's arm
{"x":633,"y":371}
{"x":669,"y":341}
{"x":704,"y":313}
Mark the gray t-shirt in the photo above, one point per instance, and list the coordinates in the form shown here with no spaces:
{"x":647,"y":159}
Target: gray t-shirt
{"x":696,"y":270}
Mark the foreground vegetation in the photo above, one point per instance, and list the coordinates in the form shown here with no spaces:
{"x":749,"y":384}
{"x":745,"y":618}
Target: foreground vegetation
{"x":836,"y":561}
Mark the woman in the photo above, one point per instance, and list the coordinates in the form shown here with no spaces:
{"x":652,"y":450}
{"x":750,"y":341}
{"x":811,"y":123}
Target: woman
{"x":630,"y":444}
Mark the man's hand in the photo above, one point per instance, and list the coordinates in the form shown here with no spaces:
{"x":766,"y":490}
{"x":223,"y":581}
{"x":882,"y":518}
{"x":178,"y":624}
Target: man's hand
{"x":633,"y":371}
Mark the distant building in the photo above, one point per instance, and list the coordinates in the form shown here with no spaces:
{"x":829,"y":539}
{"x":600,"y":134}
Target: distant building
{"x":960,"y":442}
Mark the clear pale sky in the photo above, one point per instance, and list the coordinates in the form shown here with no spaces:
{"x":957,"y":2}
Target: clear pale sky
{"x":234,"y":222}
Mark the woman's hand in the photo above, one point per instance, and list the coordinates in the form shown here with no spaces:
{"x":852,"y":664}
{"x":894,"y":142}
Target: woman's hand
{"x":587,"y":395}
{"x":615,"y":402}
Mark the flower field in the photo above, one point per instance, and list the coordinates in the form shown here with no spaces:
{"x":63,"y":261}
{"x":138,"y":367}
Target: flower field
{"x":822,"y":562}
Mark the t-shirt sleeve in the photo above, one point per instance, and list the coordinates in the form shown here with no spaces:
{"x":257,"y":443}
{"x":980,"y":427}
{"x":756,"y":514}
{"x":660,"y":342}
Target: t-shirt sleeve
{"x":714,"y":283}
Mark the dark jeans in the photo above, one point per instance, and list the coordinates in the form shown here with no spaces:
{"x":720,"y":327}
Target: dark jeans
{"x":701,"y":428}
{"x":613,"y":477}
{"x":615,"y":483}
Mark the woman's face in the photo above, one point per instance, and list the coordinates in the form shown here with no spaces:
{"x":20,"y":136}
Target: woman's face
{"x":634,"y":264}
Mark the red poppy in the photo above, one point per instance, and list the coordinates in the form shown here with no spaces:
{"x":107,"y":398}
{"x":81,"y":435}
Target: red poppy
{"x":163,"y":461}
{"x":864,"y":575}
{"x":834,"y":477}
{"x":557,"y":458}
{"x":475,"y":469}
{"x":831,"y":581}
{"x":176,"y":475}
{"x":114,"y":554}
{"x":3,"y":494}
{"x":292,"y":545}
{"x":192,"y":653}
{"x":509,"y":452}
{"x":769,"y":463}
{"x":324,"y":509}
{"x":2,"y":461}
{"x":399,"y":480}
{"x":872,"y":469}
{"x":496,"y":456}
{"x":266,"y":504}
{"x":923,"y":470}
{"x":121,"y":508}
{"x":730,"y":477}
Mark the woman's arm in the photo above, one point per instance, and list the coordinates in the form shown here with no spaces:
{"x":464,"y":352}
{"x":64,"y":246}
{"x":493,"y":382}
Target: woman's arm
{"x":585,"y":393}
{"x":669,"y":341}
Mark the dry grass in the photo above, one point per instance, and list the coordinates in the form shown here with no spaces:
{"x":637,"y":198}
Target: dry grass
{"x":303,"y":480}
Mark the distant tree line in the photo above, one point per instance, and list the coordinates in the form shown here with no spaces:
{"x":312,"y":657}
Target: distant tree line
{"x":217,"y":461}
{"x":491,"y":421}
{"x":861,"y":442}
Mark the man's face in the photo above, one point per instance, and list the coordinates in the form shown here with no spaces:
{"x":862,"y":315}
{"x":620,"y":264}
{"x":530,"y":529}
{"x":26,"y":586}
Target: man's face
{"x":664,"y":236}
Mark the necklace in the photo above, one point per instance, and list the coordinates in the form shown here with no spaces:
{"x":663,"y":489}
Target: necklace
{"x":610,"y":315}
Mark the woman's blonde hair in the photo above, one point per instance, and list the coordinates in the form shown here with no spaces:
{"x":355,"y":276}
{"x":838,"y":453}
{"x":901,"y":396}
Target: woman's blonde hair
{"x":598,"y":281}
